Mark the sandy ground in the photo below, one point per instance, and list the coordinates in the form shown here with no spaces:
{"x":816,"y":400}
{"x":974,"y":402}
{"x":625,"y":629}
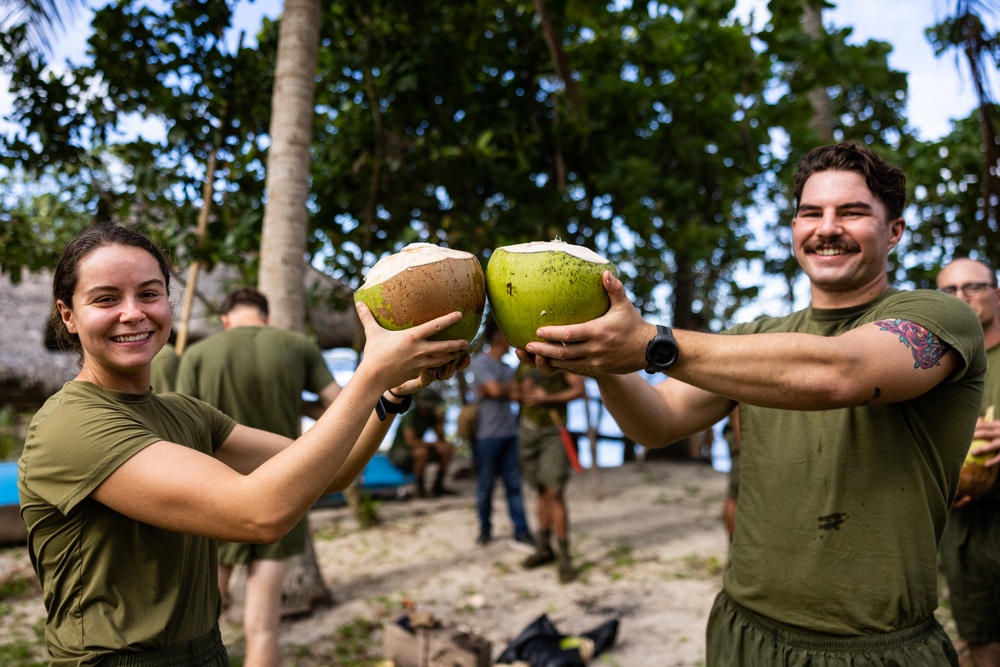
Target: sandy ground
{"x":651,"y":552}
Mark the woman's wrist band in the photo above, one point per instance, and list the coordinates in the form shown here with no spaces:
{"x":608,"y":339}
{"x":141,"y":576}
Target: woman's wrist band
{"x":384,"y":407}
{"x":402,"y":398}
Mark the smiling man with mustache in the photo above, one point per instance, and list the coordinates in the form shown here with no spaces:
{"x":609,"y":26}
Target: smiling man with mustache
{"x":855,"y":416}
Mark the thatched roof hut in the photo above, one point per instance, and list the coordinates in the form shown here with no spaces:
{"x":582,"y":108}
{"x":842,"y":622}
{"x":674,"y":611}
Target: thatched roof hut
{"x":31,"y":370}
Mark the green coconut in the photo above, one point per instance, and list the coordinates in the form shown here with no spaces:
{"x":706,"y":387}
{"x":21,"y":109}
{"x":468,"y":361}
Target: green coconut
{"x":544,"y":283}
{"x":422,"y":282}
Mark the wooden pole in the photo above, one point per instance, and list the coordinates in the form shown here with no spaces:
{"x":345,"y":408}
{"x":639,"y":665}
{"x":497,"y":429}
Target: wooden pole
{"x":207,"y":191}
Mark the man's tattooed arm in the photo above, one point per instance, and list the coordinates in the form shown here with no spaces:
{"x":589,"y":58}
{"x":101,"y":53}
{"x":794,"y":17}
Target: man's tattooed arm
{"x":927,"y":348}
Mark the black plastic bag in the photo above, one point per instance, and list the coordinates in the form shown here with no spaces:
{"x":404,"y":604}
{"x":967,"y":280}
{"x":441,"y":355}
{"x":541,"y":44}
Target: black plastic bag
{"x":542,"y":645}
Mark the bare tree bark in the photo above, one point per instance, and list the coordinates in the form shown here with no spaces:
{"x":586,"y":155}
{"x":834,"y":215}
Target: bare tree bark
{"x":819,"y":99}
{"x":560,"y":64}
{"x":286,"y":219}
{"x":976,"y":48}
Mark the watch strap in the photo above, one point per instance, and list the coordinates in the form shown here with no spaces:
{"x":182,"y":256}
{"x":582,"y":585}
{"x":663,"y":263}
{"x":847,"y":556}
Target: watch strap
{"x":384,"y":408}
{"x":663,"y":334}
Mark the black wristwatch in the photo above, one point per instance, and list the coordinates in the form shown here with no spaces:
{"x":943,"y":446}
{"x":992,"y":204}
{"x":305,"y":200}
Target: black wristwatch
{"x":384,"y":407}
{"x":661,"y":353}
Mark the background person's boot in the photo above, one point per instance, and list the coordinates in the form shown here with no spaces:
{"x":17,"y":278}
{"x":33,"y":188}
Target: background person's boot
{"x":567,"y":572}
{"x":543,"y":554}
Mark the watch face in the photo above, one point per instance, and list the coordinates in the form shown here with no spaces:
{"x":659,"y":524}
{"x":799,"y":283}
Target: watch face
{"x":663,"y":354}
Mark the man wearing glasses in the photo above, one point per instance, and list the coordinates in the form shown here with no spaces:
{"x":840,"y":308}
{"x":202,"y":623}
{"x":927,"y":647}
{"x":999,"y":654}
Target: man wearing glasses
{"x":970,"y":548}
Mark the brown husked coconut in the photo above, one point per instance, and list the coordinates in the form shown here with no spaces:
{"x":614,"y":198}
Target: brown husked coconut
{"x":424,"y":281}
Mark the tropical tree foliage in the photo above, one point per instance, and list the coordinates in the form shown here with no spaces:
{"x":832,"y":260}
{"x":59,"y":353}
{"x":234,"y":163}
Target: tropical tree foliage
{"x":962,"y":207}
{"x":173,"y":68}
{"x":647,"y":131}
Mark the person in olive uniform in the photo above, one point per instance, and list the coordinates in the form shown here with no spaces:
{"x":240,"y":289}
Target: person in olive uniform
{"x":544,"y":461}
{"x":256,"y":374}
{"x":970,"y":549}
{"x":124,"y":490}
{"x":163,"y":371}
{"x":856,"y":414}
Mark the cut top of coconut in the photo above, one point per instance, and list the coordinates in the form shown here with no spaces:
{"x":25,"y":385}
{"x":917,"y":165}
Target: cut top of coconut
{"x":580,"y":252}
{"x":414,"y":254}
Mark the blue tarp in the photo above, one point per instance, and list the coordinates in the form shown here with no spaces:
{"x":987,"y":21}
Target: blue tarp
{"x":8,"y":483}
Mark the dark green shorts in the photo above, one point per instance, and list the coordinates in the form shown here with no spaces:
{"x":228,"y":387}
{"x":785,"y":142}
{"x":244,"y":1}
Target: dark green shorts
{"x":737,"y":637}
{"x":970,"y":556}
{"x":292,"y":544}
{"x":543,"y":456}
{"x":205,"y":651}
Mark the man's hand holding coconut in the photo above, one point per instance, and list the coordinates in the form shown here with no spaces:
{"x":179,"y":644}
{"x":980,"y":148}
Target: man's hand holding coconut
{"x":614,"y":343}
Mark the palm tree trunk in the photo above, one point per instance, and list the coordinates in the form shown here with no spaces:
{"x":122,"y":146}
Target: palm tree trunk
{"x":819,"y":99}
{"x":286,"y":220}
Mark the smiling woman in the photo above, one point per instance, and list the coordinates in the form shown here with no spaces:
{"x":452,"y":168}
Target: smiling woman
{"x":125,"y":491}
{"x":113,"y":301}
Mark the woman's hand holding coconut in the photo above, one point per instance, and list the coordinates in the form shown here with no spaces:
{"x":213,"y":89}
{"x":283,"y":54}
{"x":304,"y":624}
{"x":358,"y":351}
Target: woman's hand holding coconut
{"x":405,"y":360}
{"x":395,"y":363}
{"x":614,"y":343}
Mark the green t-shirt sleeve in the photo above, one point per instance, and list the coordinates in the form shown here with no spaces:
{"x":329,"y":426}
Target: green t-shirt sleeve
{"x":80,"y":449}
{"x":219,"y":425}
{"x":946,"y":317}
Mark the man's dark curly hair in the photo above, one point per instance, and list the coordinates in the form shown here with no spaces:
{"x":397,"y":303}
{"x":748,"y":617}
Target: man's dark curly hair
{"x":886,"y":181}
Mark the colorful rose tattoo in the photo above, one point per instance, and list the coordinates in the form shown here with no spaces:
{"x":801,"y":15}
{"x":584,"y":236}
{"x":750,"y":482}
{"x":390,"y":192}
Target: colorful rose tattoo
{"x":927,"y":349}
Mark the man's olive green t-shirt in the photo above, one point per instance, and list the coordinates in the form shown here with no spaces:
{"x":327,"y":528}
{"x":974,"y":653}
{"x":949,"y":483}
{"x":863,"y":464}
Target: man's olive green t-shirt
{"x":538,"y":415}
{"x":163,"y":369}
{"x":111,"y":583}
{"x":256,"y":375}
{"x":841,"y":511}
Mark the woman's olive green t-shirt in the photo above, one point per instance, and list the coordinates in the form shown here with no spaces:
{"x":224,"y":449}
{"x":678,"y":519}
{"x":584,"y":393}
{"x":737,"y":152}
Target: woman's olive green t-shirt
{"x":110,"y":583}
